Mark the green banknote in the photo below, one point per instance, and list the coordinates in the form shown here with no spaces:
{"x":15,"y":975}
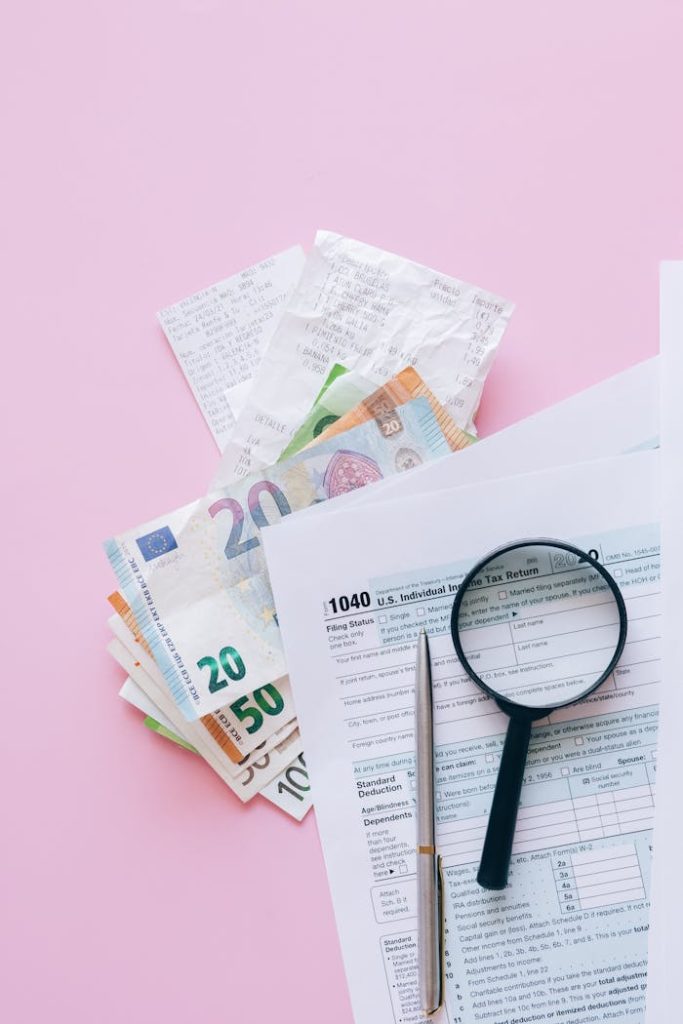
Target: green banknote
{"x":342,"y":392}
{"x":196,"y":578}
{"x":157,"y":727}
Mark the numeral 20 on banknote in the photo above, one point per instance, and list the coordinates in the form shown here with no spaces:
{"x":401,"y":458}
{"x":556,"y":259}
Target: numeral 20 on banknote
{"x":234,"y":546}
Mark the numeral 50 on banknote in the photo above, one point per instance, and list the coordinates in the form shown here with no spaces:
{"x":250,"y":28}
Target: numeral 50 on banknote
{"x":268,"y":699}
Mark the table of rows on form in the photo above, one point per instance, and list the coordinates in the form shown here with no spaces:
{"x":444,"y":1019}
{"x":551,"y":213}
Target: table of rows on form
{"x":598,"y":878}
{"x":599,"y":791}
{"x":552,"y":822}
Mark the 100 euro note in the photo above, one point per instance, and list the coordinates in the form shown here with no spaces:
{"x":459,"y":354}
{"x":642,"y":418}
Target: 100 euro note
{"x":196,"y":580}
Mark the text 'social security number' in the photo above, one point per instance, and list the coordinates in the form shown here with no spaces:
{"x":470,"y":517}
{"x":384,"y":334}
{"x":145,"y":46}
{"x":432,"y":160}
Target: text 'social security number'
{"x":234,"y":546}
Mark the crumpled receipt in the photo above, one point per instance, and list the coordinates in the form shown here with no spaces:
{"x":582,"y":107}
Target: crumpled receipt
{"x":375,"y":312}
{"x":219,"y":335}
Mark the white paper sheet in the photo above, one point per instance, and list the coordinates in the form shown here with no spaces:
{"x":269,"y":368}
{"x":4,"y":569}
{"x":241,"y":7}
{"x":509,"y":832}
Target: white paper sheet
{"x":666,"y":937}
{"x":527,"y":954}
{"x":373,"y":312}
{"x":136,"y":696}
{"x":219,"y":334}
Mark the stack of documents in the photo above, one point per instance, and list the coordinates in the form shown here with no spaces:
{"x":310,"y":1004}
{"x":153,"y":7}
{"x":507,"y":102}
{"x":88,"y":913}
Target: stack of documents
{"x":317,"y":374}
{"x":280,"y":614}
{"x":567,"y":938}
{"x":589,"y":927}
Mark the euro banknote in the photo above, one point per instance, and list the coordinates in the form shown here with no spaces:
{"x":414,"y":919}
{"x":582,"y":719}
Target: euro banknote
{"x":380,"y":405}
{"x":343,"y":390}
{"x":290,"y":790}
{"x":257,"y":768}
{"x":228,"y":727}
{"x":196,"y":579}
{"x":151,"y":682}
{"x":167,"y":734}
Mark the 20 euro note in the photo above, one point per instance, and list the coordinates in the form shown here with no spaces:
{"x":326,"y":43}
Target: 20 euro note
{"x":237,"y":729}
{"x":381,"y":404}
{"x":200,"y":739}
{"x":201,"y":596}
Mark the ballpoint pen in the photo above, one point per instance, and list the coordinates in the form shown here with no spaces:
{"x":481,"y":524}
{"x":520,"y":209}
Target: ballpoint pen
{"x":429,"y":893}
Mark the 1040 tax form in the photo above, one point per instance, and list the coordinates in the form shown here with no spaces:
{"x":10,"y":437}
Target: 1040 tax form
{"x":567,"y":940}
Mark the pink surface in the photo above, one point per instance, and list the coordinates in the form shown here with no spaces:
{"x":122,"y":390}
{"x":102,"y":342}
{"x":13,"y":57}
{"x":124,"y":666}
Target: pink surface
{"x":151,"y":148}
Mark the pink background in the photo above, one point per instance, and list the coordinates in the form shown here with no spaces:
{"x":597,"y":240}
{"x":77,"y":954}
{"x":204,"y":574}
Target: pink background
{"x":151,"y":148}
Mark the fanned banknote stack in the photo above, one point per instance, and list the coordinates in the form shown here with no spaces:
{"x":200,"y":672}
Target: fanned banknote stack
{"x":317,"y":374}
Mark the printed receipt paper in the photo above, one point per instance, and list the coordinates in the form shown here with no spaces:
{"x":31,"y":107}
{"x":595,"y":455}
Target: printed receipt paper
{"x":219,"y":335}
{"x":375,"y":313}
{"x":567,"y":941}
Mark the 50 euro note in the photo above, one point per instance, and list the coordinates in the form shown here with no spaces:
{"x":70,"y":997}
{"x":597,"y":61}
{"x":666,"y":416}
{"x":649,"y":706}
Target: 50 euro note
{"x":196,"y":580}
{"x":238,"y":727}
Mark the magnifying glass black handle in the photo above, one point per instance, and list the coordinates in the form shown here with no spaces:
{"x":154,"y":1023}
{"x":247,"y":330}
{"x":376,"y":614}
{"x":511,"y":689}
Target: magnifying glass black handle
{"x":495,"y":857}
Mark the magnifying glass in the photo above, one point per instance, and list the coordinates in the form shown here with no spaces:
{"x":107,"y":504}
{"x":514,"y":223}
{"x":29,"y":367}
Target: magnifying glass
{"x":538,"y":625}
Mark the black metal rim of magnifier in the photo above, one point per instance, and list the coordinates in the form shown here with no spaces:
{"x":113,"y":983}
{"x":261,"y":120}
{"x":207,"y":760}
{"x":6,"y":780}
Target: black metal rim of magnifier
{"x":539,"y":542}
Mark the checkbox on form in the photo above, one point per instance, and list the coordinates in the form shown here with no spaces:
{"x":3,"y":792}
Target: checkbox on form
{"x":578,"y":740}
{"x":502,"y":595}
{"x":420,"y":613}
{"x":382,"y":619}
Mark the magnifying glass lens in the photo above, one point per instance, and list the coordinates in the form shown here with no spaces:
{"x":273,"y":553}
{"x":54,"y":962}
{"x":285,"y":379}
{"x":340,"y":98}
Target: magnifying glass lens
{"x":538,"y":625}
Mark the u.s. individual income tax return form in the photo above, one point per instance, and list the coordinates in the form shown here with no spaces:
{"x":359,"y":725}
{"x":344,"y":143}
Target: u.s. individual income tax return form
{"x":567,"y":939}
